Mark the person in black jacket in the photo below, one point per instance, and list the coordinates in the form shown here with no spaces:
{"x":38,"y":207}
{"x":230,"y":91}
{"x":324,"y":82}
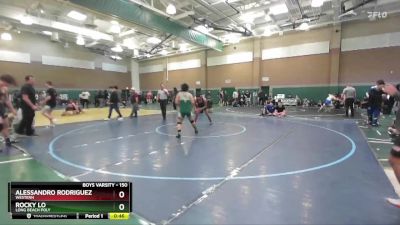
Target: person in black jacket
{"x":375,"y":103}
{"x":114,"y":101}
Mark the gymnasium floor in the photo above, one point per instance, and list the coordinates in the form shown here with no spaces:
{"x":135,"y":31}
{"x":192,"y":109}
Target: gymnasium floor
{"x":309,"y":168}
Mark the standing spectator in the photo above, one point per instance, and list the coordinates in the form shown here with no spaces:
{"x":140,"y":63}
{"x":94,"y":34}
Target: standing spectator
{"x":173,"y":97}
{"x":134,"y":102}
{"x":225,"y":98}
{"x":261,"y":97}
{"x":349,"y":96}
{"x":114,"y":101}
{"x":235,"y":97}
{"x":375,"y":103}
{"x":96,"y":99}
{"x":106,"y":96}
{"x":28,"y":106}
{"x":149,"y":97}
{"x":84,"y":99}
{"x":162,"y":97}
{"x":221,"y":97}
{"x":5,"y":81}
{"x":49,"y":102}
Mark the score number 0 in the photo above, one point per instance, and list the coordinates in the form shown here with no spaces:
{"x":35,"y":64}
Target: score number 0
{"x":121,"y":206}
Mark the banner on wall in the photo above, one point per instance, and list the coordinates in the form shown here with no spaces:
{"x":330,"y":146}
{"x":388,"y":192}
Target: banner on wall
{"x":265,"y":79}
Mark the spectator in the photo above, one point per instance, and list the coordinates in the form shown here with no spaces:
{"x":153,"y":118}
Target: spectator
{"x":375,"y":103}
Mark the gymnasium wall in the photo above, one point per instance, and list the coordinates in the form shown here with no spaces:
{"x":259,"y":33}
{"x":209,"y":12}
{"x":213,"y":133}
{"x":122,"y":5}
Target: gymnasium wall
{"x":312,"y":63}
{"x":370,"y":51}
{"x":68,"y":68}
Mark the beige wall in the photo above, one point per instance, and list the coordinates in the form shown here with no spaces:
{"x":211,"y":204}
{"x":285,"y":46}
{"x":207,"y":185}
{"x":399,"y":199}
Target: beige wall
{"x":303,"y":70}
{"x":367,"y":66}
{"x":151,"y":81}
{"x":64,"y":77}
{"x":333,"y":68}
{"x":239,"y":74}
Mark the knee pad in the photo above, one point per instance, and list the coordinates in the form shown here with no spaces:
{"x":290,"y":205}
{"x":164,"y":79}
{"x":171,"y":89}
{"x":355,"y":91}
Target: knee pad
{"x":191,"y":121}
{"x":1,"y":126}
{"x":179,"y":123}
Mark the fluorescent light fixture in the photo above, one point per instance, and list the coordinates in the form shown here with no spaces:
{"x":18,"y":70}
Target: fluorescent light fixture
{"x":202,"y":29}
{"x":164,"y":52}
{"x":304,"y":26}
{"x":250,"y":17}
{"x":248,"y":26}
{"x":6,"y":36}
{"x":125,"y":33}
{"x":268,"y":18}
{"x":117,"y":48}
{"x":153,"y":40}
{"x":116,"y":57}
{"x":77,"y":15}
{"x":135,"y":52}
{"x":183,"y":47}
{"x":115,"y":27}
{"x":130,"y":43}
{"x":26,"y":20}
{"x":46,"y":32}
{"x":232,"y":38}
{"x":317,"y":3}
{"x":80,"y":40}
{"x":171,"y":10}
{"x":279,"y":9}
{"x":82,"y":31}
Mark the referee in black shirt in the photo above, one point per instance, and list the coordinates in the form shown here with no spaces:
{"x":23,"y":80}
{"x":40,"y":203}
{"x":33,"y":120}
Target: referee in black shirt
{"x":114,"y":103}
{"x":28,"y":106}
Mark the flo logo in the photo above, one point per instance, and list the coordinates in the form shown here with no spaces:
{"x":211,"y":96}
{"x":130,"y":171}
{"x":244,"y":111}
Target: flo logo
{"x":377,"y":15}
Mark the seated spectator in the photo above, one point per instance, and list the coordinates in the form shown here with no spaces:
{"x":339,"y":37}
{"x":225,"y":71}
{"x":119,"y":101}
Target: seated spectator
{"x":280,"y":110}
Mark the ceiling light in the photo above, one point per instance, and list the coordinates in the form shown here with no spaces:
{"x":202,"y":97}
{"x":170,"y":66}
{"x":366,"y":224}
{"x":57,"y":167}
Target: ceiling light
{"x":164,"y":52}
{"x":304,"y":26}
{"x":115,"y":27}
{"x":171,"y":10}
{"x":26,"y":19}
{"x":317,"y":3}
{"x":82,"y":31}
{"x":6,"y":36}
{"x":279,"y":9}
{"x":80,"y":40}
{"x":117,"y":48}
{"x":135,"y":52}
{"x":268,"y":18}
{"x":183,"y":47}
{"x":250,"y":17}
{"x":232,"y":38}
{"x":130,"y":43}
{"x":116,"y":57}
{"x":77,"y":15}
{"x":202,"y":29}
{"x":46,"y":32}
{"x":153,"y":40}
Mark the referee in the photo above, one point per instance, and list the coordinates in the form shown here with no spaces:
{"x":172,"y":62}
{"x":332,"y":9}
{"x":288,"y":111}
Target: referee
{"x":162,"y":97}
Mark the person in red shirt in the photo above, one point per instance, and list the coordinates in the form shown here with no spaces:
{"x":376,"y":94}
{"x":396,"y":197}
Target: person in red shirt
{"x":202,"y":106}
{"x":135,"y":102}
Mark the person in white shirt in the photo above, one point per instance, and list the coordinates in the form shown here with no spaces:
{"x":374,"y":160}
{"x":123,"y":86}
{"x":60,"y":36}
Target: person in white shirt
{"x":84,"y":97}
{"x":162,"y":97}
